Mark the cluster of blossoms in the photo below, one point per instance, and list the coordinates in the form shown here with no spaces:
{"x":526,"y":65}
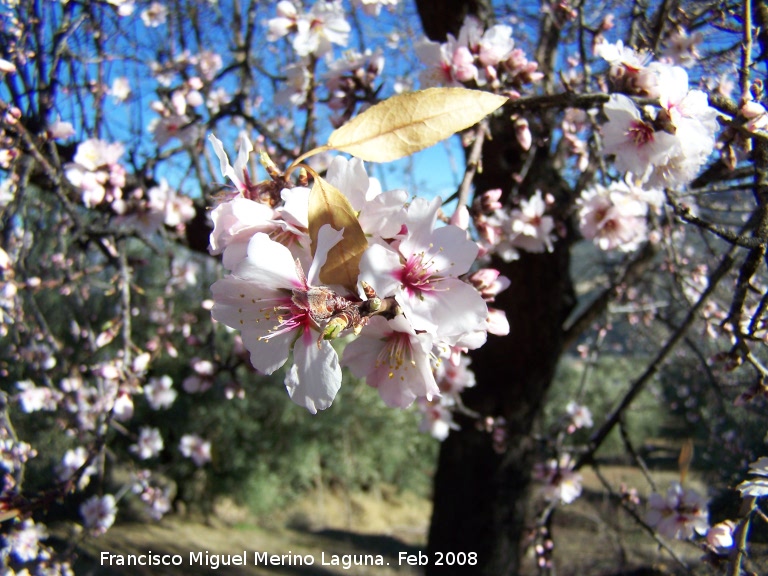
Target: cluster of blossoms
{"x":654,"y":147}
{"x":97,"y":173}
{"x":506,"y":231}
{"x":615,"y":217}
{"x":413,"y":311}
{"x":23,"y":543}
{"x":665,"y":147}
{"x":349,"y":79}
{"x":559,"y":483}
{"x":477,"y":57}
{"x":112,"y":393}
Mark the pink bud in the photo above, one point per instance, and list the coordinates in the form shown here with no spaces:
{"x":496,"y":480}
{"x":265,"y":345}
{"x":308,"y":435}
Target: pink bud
{"x":460,"y":218}
{"x":489,"y":200}
{"x":608,"y":22}
{"x":752,"y":109}
{"x":523,"y":133}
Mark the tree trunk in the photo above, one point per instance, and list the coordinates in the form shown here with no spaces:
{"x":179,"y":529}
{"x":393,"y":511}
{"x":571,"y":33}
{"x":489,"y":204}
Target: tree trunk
{"x":480,"y":497}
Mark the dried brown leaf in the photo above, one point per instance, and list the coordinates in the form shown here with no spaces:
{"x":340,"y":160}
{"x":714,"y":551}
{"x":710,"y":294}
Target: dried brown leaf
{"x":407,"y":123}
{"x":327,"y":205}
{"x":685,"y":459}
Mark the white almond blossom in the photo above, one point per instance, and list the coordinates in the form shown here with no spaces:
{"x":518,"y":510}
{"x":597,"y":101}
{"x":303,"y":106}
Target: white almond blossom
{"x":422,"y":275}
{"x":262,"y":298}
{"x":635,"y":142}
{"x":614,"y":217}
{"x":394,"y":360}
{"x":681,"y":514}
{"x":756,"y":487}
{"x":315,"y":31}
{"x":149,"y":443}
{"x":193,"y":447}
{"x":99,"y":513}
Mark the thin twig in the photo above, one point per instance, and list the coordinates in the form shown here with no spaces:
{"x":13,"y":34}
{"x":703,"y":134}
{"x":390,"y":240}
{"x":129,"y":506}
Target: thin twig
{"x":636,"y":517}
{"x":473,"y":163}
{"x":599,"y":436}
{"x":740,"y":535}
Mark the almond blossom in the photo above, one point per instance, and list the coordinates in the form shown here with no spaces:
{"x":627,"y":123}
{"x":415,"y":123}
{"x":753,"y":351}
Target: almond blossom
{"x":99,"y":513}
{"x":121,"y":89}
{"x":96,"y":172}
{"x":559,"y":481}
{"x":694,"y":123}
{"x":449,"y":63}
{"x":155,"y":15}
{"x":629,"y":70}
{"x":316,"y":31}
{"x":263,"y":299}
{"x":14,"y":454}
{"x":436,"y":419}
{"x":682,"y":49}
{"x":613,"y":217}
{"x":393,"y":359}
{"x":423,"y":275}
{"x":160,"y":393}
{"x":634,"y":141}
{"x":149,"y":443}
{"x":194,"y":447}
{"x":529,"y":229}
{"x":681,"y":514}
{"x":174,"y":208}
{"x":476,"y":56}
{"x":23,"y":541}
{"x":580,"y":416}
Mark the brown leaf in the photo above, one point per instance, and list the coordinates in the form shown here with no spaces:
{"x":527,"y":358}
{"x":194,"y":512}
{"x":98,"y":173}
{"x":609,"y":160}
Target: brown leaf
{"x":407,"y":123}
{"x":327,"y":205}
{"x":685,"y":459}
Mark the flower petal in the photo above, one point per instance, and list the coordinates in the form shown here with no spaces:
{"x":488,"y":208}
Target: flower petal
{"x":269,"y":265}
{"x":315,"y":378}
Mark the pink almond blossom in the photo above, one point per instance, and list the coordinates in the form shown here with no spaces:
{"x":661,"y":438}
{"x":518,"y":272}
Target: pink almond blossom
{"x":681,"y":514}
{"x":259,"y":298}
{"x":423,"y":275}
{"x":393,"y":359}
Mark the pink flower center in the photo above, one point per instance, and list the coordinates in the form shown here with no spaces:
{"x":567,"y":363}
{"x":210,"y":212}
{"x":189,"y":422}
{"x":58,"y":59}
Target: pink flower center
{"x":415,"y":275}
{"x":289,"y":317}
{"x":641,"y":133}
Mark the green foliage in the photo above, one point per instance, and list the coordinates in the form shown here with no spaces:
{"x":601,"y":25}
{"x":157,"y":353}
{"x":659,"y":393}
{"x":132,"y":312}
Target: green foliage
{"x":266,"y":450}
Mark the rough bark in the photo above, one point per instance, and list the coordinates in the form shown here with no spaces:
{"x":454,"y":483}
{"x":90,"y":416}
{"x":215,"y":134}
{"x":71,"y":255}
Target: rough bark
{"x":481,"y":497}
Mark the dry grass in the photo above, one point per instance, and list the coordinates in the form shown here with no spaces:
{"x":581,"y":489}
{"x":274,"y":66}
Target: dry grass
{"x":593,"y":536}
